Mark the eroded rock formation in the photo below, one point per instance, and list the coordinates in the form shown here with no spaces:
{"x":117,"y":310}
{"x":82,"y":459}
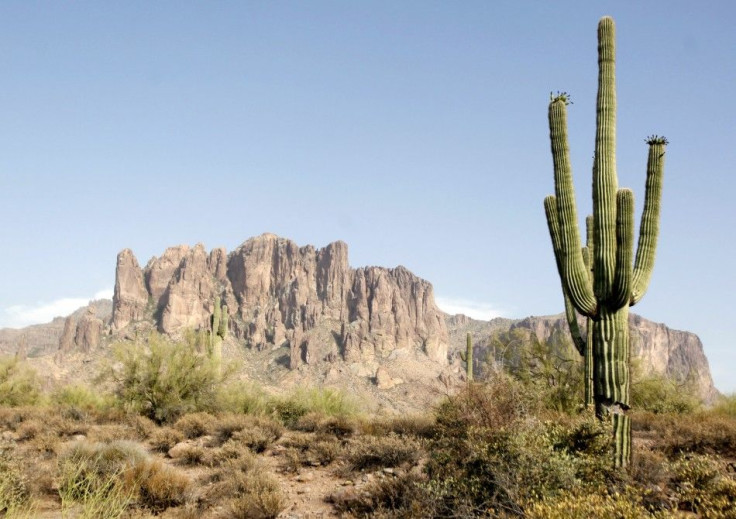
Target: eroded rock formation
{"x":279,"y":293}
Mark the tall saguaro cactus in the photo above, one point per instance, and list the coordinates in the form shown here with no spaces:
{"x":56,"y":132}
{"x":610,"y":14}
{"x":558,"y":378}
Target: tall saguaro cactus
{"x":603,"y":279}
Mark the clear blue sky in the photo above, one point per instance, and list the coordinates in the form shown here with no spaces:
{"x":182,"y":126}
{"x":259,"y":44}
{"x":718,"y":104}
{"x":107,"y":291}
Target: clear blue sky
{"x":414,"y":131}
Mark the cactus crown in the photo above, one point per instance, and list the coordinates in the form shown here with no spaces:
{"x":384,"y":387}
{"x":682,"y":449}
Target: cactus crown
{"x":656,"y":139}
{"x":563,"y":97}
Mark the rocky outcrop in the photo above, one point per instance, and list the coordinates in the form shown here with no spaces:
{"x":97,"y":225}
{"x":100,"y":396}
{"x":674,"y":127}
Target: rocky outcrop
{"x":658,"y":349}
{"x":278,"y":294}
{"x":80,"y":334}
{"x":130,"y":296}
{"x":89,"y":331}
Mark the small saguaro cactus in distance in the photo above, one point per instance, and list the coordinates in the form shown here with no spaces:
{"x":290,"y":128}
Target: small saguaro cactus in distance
{"x":218,"y":331}
{"x":467,"y":358}
{"x":613,"y":278}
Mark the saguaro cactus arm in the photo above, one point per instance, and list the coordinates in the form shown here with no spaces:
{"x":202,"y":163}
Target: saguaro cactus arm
{"x":621,"y":292}
{"x":550,"y":208}
{"x":649,"y":229}
{"x":573,"y":271}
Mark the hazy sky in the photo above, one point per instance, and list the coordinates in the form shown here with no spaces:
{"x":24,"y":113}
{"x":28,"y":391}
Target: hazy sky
{"x":414,"y":131}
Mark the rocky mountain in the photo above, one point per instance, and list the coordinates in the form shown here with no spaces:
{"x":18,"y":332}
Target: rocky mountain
{"x":44,"y":339}
{"x":656,"y":349}
{"x":278,"y":293}
{"x":302,"y":316}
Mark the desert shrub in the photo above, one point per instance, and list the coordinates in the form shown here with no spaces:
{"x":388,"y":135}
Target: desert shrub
{"x":111,"y":432}
{"x":401,"y":496}
{"x":498,"y":404}
{"x":552,"y":370}
{"x":194,"y":425}
{"x":29,"y":429}
{"x":14,"y":487}
{"x":258,"y":433}
{"x":244,"y":397}
{"x":164,"y":438}
{"x":97,"y":475}
{"x":227,"y":425}
{"x":570,"y":505}
{"x":492,"y":451}
{"x":19,"y":383}
{"x":190,"y":454}
{"x":80,"y":400}
{"x":257,"y":493}
{"x":368,"y":452}
{"x":329,"y":402}
{"x":161,"y":487}
{"x":259,"y":497}
{"x":421,"y":426}
{"x":87,"y":466}
{"x":164,"y":380}
{"x":697,"y":433}
{"x":662,"y":395}
{"x":725,"y":406}
{"x":310,"y":449}
{"x":230,"y":453}
{"x":703,"y":487}
{"x":339,"y":426}
{"x":142,"y":426}
{"x":105,"y":478}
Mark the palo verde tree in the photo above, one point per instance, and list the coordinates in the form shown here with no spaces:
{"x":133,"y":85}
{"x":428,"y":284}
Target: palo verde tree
{"x":613,"y":277}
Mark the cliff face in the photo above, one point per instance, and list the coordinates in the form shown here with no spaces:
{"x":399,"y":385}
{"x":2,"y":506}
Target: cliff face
{"x":277,"y":292}
{"x":658,"y":349}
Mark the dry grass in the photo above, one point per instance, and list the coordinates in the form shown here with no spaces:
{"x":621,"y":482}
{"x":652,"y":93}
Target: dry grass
{"x":164,"y":438}
{"x":161,"y":486}
{"x":259,"y":497}
{"x":194,"y":425}
{"x":370,"y":452}
{"x":246,"y":489}
{"x":309,"y":449}
{"x":340,"y":426}
{"x":257,"y":433}
{"x":190,"y":454}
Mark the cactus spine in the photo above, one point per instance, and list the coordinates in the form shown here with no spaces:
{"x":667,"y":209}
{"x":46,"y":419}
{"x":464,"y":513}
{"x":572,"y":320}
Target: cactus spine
{"x":467,"y":358}
{"x":603,"y":287}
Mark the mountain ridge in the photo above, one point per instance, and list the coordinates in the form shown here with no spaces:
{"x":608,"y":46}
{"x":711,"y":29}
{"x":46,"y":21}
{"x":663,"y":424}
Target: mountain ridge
{"x":307,"y":316}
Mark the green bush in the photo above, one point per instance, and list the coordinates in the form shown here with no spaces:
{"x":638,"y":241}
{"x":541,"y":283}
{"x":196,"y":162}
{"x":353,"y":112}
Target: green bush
{"x":244,"y":397}
{"x":726,"y":406}
{"x":492,"y":450}
{"x":79,"y":400}
{"x":164,"y":380}
{"x":552,"y":369}
{"x":703,"y":488}
{"x":662,"y":395}
{"x":19,"y":384}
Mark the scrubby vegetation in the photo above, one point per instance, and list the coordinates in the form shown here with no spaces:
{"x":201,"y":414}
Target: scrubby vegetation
{"x":170,"y":438}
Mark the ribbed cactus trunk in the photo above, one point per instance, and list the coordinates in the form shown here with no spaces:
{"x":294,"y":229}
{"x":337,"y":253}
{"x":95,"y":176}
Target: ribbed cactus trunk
{"x":601,"y":280}
{"x":467,"y":357}
{"x":219,"y":327}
